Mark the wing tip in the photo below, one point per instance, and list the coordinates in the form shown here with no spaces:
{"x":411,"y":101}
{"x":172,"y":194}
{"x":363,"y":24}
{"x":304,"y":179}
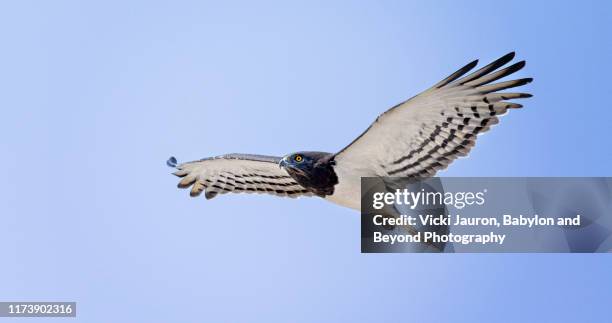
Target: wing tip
{"x":210,"y":195}
{"x":172,"y":162}
{"x":457,"y":74}
{"x":523,"y":81}
{"x":517,"y":67}
{"x":472,"y":64}
{"x":186,"y":182}
{"x":509,"y":56}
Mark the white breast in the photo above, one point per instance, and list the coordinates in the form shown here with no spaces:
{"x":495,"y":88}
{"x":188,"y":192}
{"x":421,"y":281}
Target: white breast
{"x":347,"y":192}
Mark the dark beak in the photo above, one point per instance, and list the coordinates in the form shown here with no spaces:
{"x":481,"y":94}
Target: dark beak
{"x":282,"y":163}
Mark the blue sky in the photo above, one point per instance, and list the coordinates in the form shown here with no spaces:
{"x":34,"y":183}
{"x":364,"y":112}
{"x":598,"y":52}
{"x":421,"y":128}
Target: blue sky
{"x":97,"y":95}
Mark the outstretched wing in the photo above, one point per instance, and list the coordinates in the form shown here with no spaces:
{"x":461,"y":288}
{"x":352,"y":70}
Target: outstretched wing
{"x":425,"y":134}
{"x":238,"y":173}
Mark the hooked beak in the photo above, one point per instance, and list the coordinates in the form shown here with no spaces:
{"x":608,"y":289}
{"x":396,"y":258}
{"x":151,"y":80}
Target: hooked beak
{"x":282,"y":163}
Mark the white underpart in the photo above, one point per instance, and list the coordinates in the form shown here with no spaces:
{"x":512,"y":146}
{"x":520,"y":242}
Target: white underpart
{"x":347,"y":192}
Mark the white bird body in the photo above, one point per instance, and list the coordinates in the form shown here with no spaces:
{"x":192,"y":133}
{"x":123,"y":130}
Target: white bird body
{"x":347,"y":192}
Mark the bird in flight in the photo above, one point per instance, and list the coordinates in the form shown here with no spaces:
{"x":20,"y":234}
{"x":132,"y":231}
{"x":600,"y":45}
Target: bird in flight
{"x":415,"y":139}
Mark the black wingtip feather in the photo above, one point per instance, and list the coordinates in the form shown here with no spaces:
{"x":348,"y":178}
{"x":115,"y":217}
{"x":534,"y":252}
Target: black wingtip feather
{"x":504,"y":85}
{"x":488,"y":78}
{"x":459,"y":73}
{"x":509,"y":56}
{"x":210,"y":195}
{"x":488,"y":68}
{"x":504,"y":59}
{"x":516,"y":67}
{"x":171,"y":162}
{"x":471,"y":65}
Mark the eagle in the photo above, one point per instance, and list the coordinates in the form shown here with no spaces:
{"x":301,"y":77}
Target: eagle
{"x":413,"y":139}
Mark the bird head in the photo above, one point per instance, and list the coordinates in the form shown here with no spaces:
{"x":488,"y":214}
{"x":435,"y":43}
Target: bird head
{"x":300,"y":162}
{"x":311,"y":169}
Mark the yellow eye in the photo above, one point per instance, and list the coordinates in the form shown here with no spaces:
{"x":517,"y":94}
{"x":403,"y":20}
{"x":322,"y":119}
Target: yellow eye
{"x":298,"y":158}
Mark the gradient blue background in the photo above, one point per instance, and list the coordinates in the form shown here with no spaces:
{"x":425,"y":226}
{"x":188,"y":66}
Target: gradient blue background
{"x":96,"y":96}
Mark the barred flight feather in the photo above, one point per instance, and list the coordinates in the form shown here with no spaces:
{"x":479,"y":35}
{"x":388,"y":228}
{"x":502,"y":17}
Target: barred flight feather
{"x":238,"y":173}
{"x":423,"y":135}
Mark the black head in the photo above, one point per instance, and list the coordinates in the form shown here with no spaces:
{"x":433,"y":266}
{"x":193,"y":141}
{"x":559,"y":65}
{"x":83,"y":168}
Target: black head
{"x":313,"y":170}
